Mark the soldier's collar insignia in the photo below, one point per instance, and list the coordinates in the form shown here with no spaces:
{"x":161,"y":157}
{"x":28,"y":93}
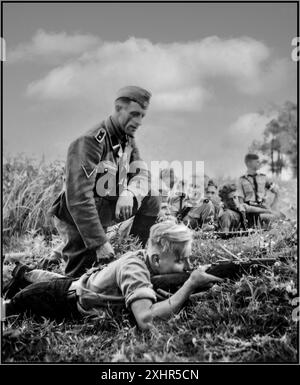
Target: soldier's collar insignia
{"x":101,"y":135}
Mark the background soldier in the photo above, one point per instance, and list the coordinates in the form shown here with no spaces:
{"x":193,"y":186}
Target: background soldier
{"x":185,"y":195}
{"x":237,"y":215}
{"x":167,"y":181}
{"x":253,"y":187}
{"x":204,"y":212}
{"x":233,"y":216}
{"x":106,"y":182}
{"x":177,"y":198}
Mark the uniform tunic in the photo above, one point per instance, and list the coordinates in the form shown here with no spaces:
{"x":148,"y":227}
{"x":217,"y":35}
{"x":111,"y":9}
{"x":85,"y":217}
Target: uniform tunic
{"x":253,"y":188}
{"x":100,"y":165}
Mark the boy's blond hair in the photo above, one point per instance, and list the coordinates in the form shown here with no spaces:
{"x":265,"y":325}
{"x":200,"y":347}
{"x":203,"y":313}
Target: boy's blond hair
{"x":172,"y":237}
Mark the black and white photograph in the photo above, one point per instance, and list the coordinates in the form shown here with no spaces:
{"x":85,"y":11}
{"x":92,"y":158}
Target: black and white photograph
{"x":149,"y":185}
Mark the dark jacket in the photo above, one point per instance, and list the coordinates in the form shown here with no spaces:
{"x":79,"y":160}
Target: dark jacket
{"x":100,"y":164}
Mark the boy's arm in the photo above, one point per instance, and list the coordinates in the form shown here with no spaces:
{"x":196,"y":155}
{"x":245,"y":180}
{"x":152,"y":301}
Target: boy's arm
{"x":271,"y":186}
{"x":274,"y":204}
{"x":257,"y":209}
{"x":240,"y":191}
{"x":145,"y":311}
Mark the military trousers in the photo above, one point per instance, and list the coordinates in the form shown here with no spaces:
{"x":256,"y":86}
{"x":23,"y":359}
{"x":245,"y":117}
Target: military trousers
{"x":231,"y":220}
{"x":51,"y":299}
{"x":78,"y":257}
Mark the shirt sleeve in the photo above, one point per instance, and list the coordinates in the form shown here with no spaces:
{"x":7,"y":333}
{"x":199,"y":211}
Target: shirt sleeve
{"x":240,"y":190}
{"x":133,"y":279}
{"x":83,"y":157}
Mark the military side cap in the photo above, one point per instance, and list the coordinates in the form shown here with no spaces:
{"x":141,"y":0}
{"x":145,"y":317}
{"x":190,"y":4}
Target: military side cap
{"x":251,"y":156}
{"x":136,"y":94}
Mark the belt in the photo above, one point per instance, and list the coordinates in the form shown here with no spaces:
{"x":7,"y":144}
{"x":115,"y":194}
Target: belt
{"x":72,"y":293}
{"x":73,"y":298}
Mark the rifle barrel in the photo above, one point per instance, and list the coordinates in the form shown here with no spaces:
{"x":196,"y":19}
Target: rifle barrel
{"x":231,"y":270}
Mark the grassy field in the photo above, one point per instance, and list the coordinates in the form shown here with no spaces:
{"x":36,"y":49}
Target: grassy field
{"x":245,"y":321}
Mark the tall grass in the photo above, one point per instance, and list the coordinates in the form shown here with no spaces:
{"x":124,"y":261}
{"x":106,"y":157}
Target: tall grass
{"x":29,"y":188}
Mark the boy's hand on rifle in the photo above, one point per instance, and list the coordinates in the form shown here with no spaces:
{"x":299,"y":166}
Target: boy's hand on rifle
{"x":202,"y":280}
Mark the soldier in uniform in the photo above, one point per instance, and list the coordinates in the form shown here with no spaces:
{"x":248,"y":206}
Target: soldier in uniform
{"x":233,"y":215}
{"x":189,"y":205}
{"x":245,"y":204}
{"x":205,"y":213}
{"x":106,"y":182}
{"x":177,"y":198}
{"x":253,"y":187}
{"x":166,"y":183}
{"x":236,"y":215}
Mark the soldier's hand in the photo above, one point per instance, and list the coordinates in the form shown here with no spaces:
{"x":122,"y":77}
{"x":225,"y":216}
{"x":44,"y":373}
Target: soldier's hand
{"x":124,"y":205}
{"x":202,"y":280}
{"x":105,"y":252}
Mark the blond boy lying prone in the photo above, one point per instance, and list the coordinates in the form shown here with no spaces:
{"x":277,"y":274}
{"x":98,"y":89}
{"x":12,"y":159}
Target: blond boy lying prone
{"x":124,"y":281}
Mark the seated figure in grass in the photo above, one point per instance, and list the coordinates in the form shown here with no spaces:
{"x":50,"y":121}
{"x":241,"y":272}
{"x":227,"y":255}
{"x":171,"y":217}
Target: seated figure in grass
{"x":235,"y":214}
{"x":253,"y":188}
{"x":192,"y":208}
{"x":167,"y":186}
{"x":205,"y":214}
{"x":167,"y":180}
{"x":188,"y":204}
{"x":125,"y":281}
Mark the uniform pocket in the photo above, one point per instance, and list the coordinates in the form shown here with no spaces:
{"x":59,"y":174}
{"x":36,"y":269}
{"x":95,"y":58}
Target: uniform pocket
{"x":106,"y":211}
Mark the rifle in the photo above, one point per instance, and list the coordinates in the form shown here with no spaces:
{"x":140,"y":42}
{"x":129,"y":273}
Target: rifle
{"x":230,"y":234}
{"x":232,"y":270}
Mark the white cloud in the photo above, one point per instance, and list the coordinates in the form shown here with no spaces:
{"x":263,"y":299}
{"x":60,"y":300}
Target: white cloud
{"x":178,"y":74}
{"x":251,"y":125}
{"x":50,"y":45}
{"x":239,"y":136}
{"x":188,"y":100}
{"x":60,"y":84}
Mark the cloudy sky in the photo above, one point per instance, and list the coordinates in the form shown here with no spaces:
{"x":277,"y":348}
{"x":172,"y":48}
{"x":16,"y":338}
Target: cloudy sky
{"x":216,"y":71}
